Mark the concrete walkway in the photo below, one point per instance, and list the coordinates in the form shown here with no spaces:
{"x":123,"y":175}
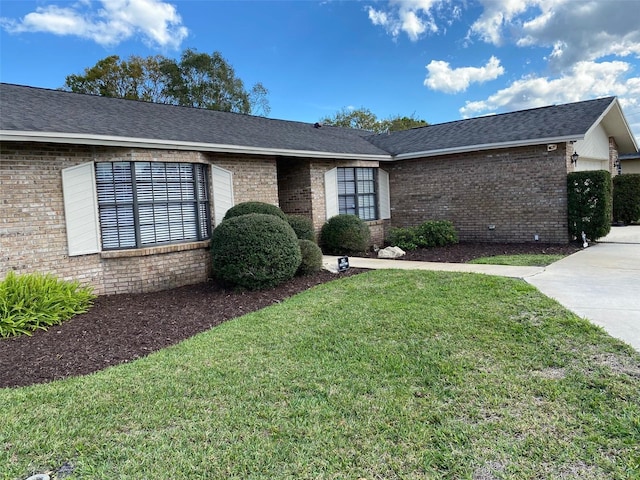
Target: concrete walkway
{"x":600,"y":283}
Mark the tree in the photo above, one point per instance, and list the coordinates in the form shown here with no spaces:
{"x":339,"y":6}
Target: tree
{"x":196,"y":80}
{"x":362,"y":118}
{"x":398,"y":123}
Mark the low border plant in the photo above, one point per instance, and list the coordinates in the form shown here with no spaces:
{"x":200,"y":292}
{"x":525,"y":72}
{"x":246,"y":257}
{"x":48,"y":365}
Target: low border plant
{"x":432,"y":233}
{"x":35,"y":301}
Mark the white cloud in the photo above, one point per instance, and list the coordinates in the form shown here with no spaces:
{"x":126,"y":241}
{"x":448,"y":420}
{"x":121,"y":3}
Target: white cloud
{"x":412,"y":17}
{"x":574,"y":31}
{"x":157,"y":22}
{"x":497,"y":15}
{"x":443,"y":78}
{"x":583,"y":81}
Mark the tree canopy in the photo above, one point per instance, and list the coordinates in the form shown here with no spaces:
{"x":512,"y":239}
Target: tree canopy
{"x":363,"y":118}
{"x":196,"y":80}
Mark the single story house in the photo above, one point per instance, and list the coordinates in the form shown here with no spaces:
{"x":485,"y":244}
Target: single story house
{"x":124,"y":194}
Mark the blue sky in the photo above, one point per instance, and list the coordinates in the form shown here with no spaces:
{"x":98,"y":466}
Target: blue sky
{"x":439,"y":60}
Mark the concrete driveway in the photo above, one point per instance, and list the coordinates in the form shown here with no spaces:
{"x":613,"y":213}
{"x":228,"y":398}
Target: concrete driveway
{"x":600,"y":283}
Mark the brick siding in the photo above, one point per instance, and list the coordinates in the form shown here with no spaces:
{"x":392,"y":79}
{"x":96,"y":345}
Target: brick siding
{"x":490,"y":196}
{"x":33,"y":232}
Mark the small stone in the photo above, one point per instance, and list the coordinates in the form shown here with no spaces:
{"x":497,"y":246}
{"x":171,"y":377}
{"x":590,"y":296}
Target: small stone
{"x":391,"y":252}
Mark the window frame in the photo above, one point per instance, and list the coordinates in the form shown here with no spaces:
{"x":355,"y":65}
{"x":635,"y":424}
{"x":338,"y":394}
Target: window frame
{"x":192,"y":224}
{"x":357,"y":194}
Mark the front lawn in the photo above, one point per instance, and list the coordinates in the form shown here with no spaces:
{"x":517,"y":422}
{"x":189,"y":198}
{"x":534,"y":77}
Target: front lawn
{"x":383,"y":375}
{"x":522,"y":260}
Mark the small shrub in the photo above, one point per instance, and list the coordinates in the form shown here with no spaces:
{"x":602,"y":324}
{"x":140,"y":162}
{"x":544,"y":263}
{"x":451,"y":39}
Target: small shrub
{"x":405,"y":238}
{"x":303,"y":226}
{"x":434,"y":233}
{"x":255,"y":251}
{"x":437,"y":233}
{"x":626,"y":198}
{"x":345,"y":234}
{"x":589,"y":201}
{"x":37,"y":301}
{"x":311,"y":258}
{"x":245,"y":208}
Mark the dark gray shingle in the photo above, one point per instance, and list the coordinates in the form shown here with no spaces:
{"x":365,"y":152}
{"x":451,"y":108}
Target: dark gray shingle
{"x":559,"y":121}
{"x":41,"y":110}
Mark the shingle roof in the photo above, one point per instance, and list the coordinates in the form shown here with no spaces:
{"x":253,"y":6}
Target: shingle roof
{"x":521,"y":127}
{"x":77,"y":116}
{"x":40,"y":110}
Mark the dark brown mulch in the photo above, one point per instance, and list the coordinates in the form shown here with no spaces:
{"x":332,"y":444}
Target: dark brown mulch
{"x":121,"y":328}
{"x":464,"y":252}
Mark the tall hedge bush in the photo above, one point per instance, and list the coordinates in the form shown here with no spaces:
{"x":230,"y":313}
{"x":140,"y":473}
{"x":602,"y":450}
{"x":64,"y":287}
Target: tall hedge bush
{"x":255,"y":251}
{"x":590,"y":203}
{"x":626,"y":198}
{"x":245,"y":208}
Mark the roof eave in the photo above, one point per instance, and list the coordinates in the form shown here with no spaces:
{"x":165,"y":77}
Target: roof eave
{"x":487,"y":146}
{"x":625,"y":138}
{"x":132,"y":142}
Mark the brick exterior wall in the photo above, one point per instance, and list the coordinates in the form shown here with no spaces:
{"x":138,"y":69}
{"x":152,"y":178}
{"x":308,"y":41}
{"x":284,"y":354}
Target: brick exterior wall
{"x":613,"y":157}
{"x":295,"y":191}
{"x":490,"y":196}
{"x":32,"y":225}
{"x":301,"y":191}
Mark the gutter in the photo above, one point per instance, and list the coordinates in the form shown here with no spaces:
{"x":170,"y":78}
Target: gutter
{"x":486,"y":146}
{"x":132,"y":142}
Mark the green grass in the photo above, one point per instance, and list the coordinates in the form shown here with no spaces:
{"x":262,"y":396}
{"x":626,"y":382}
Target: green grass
{"x":384,"y":375}
{"x":520,"y":260}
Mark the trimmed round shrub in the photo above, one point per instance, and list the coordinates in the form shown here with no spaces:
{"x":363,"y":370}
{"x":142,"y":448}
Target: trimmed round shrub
{"x":303,"y":226}
{"x":311,"y":258}
{"x":245,"y":208}
{"x":255,"y":251}
{"x":344,"y":234}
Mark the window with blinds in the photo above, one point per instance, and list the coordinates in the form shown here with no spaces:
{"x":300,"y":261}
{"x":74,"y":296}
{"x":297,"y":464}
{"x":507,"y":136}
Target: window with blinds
{"x":150,"y":203}
{"x":357,"y":192}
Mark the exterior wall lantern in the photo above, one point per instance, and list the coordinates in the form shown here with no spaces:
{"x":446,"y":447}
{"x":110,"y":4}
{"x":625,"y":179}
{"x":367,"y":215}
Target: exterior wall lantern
{"x":574,"y":158}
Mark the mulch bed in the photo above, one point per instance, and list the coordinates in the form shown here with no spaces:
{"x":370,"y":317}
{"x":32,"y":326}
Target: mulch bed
{"x":122,"y":328}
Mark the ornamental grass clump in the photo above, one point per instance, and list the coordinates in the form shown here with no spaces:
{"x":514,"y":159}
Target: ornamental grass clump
{"x":255,"y":251}
{"x":37,"y":301}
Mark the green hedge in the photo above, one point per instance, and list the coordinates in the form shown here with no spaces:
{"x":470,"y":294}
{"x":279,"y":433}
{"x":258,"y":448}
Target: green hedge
{"x":303,"y":226}
{"x":345,"y":234}
{"x":246,"y":208}
{"x":37,"y":301}
{"x":626,"y":198}
{"x":311,"y":258}
{"x":255,"y":251}
{"x":590,"y":204}
{"x":433,"y":233}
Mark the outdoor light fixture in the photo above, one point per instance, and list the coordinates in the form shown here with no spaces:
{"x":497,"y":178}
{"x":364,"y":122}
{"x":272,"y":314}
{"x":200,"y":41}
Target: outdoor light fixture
{"x":574,"y":158}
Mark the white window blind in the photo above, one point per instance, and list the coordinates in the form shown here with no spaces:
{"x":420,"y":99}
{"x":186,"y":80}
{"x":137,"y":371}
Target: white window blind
{"x":151,"y":203}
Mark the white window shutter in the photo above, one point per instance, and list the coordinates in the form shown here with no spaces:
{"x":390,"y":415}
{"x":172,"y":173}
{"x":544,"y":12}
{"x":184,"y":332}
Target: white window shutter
{"x":81,"y":209}
{"x":331,"y":192}
{"x":383,"y":194}
{"x":222,"y":184}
